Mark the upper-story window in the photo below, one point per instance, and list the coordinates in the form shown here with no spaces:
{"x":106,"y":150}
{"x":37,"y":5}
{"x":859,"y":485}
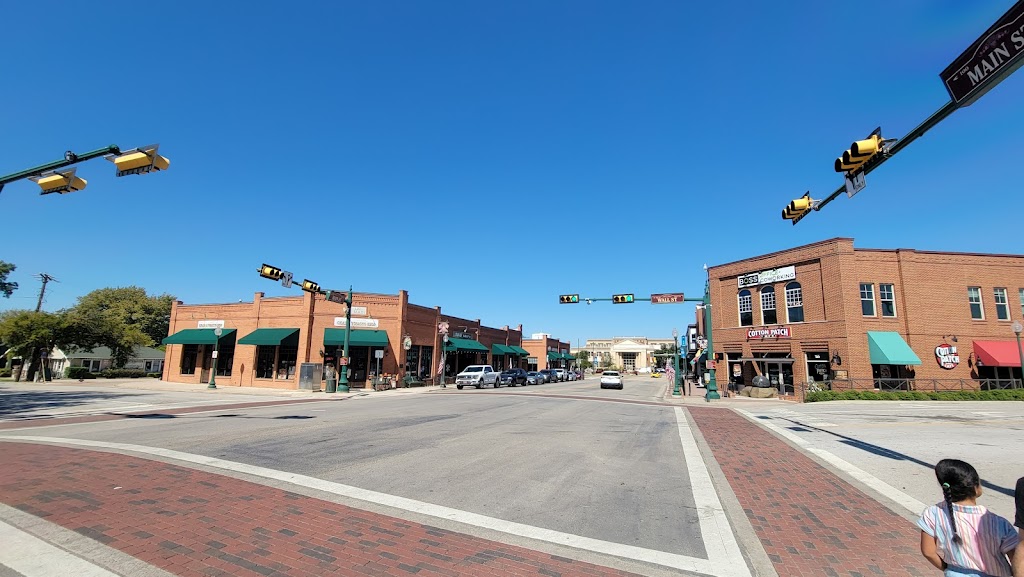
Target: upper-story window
{"x":1021,"y":302}
{"x":746,"y":309}
{"x":974,"y":299}
{"x":768,"y":315}
{"x":794,"y":303}
{"x":887,"y":299}
{"x":1002,"y":304}
{"x":867,"y":299}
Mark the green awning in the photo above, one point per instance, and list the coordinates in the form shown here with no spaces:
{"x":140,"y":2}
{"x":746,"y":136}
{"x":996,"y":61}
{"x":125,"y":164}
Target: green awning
{"x":197,"y":337}
{"x":502,"y":350}
{"x":357,"y":338}
{"x":519,"y":351}
{"x":464,"y":345}
{"x":553,"y":356}
{"x":271,"y":337}
{"x":569,"y":356}
{"x":889,"y":348}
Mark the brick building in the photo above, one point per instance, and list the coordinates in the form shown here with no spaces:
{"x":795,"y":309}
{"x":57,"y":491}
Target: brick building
{"x":868,"y":318}
{"x":263,"y":343}
{"x":547,"y":352}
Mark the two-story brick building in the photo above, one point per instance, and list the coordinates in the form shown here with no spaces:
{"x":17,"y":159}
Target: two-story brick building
{"x":547,"y":352}
{"x":263,"y":343}
{"x":871,"y":317}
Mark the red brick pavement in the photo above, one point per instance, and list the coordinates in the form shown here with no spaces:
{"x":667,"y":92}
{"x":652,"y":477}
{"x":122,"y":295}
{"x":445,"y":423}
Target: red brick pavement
{"x":810,"y":521}
{"x":193,"y":523}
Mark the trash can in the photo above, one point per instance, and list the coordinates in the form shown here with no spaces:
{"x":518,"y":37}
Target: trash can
{"x":331,"y":384}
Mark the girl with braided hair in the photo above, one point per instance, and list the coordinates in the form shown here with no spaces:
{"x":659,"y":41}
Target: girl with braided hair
{"x":960,"y":537}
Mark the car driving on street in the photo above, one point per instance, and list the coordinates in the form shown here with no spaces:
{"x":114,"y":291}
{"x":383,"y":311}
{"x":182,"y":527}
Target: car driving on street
{"x":611,"y":380}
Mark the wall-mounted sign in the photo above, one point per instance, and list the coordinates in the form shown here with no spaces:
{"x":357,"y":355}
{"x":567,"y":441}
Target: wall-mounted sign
{"x":358,"y":323}
{"x":462,"y":335}
{"x":211,"y":324}
{"x":767,"y":276}
{"x":946,"y":356}
{"x":361,"y":311}
{"x":767,"y":333}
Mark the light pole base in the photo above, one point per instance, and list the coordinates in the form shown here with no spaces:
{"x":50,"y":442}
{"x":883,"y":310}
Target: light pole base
{"x":211,"y":386}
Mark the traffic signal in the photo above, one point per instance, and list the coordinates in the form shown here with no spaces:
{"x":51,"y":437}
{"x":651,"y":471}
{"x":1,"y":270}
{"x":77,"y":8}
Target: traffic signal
{"x":568,"y":299}
{"x":62,"y":182}
{"x":861,"y":153}
{"x":271,"y":272}
{"x":798,"y":208}
{"x":622,"y":299}
{"x":139,"y":161}
{"x":310,"y":286}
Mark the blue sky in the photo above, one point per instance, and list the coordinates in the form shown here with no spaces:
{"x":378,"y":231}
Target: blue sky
{"x":489,"y":156}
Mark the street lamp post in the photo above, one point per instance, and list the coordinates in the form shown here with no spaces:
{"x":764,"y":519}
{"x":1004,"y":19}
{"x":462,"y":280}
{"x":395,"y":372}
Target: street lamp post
{"x":343,"y":377}
{"x":217,"y":332}
{"x":1017,"y":329}
{"x":712,"y":390}
{"x":675,"y":350}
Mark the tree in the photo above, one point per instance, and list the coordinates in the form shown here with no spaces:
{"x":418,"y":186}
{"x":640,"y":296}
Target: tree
{"x":7,"y":288}
{"x":29,"y":333}
{"x":125,"y":317}
{"x":583,"y":360}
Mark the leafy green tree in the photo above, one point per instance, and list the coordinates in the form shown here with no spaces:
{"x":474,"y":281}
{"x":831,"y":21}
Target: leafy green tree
{"x":125,"y":317}
{"x":583,"y":360}
{"x":7,"y":288}
{"x":29,"y":333}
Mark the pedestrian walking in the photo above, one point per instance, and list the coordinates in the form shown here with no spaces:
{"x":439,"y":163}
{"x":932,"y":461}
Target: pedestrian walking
{"x":1018,"y":520}
{"x":960,"y":537}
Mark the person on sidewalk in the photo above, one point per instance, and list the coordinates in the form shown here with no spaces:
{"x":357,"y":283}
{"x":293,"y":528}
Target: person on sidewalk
{"x":960,"y":537}
{"x":1018,"y":557}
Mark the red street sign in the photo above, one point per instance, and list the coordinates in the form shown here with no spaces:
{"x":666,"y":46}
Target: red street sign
{"x":666,"y":298}
{"x":343,"y":361}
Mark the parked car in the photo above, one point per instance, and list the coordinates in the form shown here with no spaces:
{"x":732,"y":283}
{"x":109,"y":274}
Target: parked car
{"x":549,"y":375}
{"x":535,"y":378}
{"x":570,"y":375}
{"x":513,"y":377}
{"x":611,"y":380}
{"x":477,"y":376}
{"x":561,"y":374}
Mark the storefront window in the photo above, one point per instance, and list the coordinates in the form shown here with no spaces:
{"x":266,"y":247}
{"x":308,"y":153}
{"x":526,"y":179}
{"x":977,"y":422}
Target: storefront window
{"x":189,"y":354}
{"x":412,"y":361}
{"x":794,"y":303}
{"x":746,"y":309}
{"x":265,"y":361}
{"x":817,"y":366}
{"x":893,"y":377}
{"x":286,"y":362}
{"x":427,"y":367}
{"x":225,"y":359}
{"x":768,"y":315}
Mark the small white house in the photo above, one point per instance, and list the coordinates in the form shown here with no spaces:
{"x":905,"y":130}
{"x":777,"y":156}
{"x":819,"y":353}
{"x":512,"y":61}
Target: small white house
{"x":143,"y":358}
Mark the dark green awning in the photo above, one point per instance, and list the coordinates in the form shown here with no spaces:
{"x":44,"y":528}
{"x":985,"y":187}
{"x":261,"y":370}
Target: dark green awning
{"x":568,"y":356}
{"x":271,"y":337}
{"x":357,"y":338}
{"x":553,"y":356}
{"x":455,"y":344}
{"x":197,"y":337}
{"x":889,"y":348}
{"x":520,"y":351}
{"x":502,"y":350}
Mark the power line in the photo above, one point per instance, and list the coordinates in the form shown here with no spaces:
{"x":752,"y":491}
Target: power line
{"x":42,"y":291}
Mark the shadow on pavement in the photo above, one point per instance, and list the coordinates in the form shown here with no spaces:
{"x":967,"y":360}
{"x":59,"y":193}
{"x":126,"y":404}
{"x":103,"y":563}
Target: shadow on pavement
{"x":14,"y":402}
{"x":170,"y":416}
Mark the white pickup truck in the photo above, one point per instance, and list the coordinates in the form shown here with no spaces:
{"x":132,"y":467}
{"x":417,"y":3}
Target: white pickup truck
{"x":477,"y":376}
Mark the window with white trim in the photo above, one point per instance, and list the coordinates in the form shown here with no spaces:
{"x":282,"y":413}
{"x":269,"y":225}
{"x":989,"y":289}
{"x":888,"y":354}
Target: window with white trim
{"x":887,"y":299}
{"x":867,"y":299}
{"x":746,"y":309}
{"x":768,"y":314}
{"x":794,"y":303}
{"x":1002,"y":304}
{"x":974,"y":300}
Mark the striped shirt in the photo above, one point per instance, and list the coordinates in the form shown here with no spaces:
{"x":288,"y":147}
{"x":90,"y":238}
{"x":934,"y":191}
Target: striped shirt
{"x":986,"y":538}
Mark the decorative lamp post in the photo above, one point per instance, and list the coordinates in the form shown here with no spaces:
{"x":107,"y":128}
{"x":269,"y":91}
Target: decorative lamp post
{"x":1017,"y":329}
{"x":712,"y":390}
{"x":217,"y":332}
{"x":675,"y":376}
{"x":343,"y":377}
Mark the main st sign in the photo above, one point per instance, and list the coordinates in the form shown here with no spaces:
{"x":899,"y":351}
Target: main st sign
{"x":990,"y":59}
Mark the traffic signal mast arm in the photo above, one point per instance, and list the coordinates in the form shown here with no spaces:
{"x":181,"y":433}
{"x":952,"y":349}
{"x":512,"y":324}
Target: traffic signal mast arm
{"x":899,"y":145}
{"x":69,"y":159}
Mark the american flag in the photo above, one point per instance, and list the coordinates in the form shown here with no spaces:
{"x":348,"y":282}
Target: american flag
{"x":440,"y":368}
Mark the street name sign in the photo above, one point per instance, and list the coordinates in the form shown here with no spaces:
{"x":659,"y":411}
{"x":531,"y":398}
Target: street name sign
{"x":666,"y":298}
{"x":337,"y":296}
{"x":992,"y":57}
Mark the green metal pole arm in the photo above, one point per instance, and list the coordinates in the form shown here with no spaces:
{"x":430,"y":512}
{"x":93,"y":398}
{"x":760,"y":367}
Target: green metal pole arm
{"x":937,"y":117}
{"x":68,"y":160}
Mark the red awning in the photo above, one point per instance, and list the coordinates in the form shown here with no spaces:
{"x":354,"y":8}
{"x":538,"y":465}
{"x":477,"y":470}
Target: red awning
{"x":997,"y":353}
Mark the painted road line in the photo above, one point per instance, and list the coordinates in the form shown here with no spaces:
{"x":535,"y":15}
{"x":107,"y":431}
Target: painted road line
{"x":33,"y":557}
{"x":719,"y":541}
{"x":724,"y":567}
{"x":906,"y":501}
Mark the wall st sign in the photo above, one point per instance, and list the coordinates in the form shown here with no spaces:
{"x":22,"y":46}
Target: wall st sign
{"x":990,"y":59}
{"x":767,"y":276}
{"x":946,"y":356}
{"x":767,"y":333}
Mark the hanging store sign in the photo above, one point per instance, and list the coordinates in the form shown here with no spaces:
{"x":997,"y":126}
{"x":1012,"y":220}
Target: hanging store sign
{"x":946,"y":356}
{"x":211,"y":324}
{"x":358,"y":323}
{"x":767,"y":276}
{"x":766,"y":333}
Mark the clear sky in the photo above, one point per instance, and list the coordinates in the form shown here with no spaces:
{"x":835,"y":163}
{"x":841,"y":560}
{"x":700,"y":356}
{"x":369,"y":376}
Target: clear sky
{"x":488,"y":156}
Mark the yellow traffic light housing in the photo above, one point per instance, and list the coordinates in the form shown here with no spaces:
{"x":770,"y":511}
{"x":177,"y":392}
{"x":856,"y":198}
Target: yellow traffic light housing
{"x":569,"y":299}
{"x":310,"y":286}
{"x":139,"y":161}
{"x":622,"y":299}
{"x":61,"y":182}
{"x":271,"y":272}
{"x":798,"y":208}
{"x":861,"y":152}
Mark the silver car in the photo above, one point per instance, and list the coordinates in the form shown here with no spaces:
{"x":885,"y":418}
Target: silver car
{"x":535,"y":378}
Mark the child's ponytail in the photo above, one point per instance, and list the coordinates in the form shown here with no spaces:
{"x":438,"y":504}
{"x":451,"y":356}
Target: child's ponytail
{"x":949,"y":506}
{"x":959,"y":481}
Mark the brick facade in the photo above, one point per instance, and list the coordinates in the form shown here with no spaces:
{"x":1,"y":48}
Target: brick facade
{"x":930,"y":291}
{"x":538,"y":349}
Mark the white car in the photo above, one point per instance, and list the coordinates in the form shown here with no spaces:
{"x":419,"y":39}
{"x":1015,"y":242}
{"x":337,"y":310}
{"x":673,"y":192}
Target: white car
{"x":611,"y":380}
{"x":477,"y":376}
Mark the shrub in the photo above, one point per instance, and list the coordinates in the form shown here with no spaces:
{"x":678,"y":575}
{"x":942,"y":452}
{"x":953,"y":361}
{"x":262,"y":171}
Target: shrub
{"x":78,"y":373}
{"x":123,"y":373}
{"x":5,"y":373}
{"x":154,"y":375}
{"x":999,"y":395}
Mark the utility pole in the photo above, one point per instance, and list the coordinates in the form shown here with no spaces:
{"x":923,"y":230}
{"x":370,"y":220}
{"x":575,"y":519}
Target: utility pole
{"x":42,"y":291}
